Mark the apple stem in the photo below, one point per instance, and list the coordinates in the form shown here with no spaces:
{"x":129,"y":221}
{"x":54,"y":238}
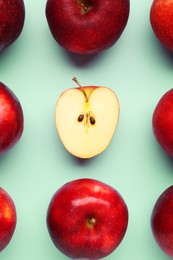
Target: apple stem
{"x":81,"y":88}
{"x":82,"y":5}
{"x":91,"y":222}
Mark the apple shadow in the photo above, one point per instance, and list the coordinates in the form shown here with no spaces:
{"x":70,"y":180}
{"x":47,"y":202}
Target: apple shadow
{"x":82,"y":162}
{"x":2,"y":158}
{"x":166,"y":53}
{"x":5,"y":53}
{"x":168,"y":158}
{"x":5,"y":159}
{"x":163,"y":155}
{"x":82,"y":60}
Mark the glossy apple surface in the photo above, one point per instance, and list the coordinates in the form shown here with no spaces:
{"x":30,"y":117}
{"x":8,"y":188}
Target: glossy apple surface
{"x":11,"y":119}
{"x":162,"y":221}
{"x":87,"y":218}
{"x":8,"y":219}
{"x":86,"y":119}
{"x":87,"y":27}
{"x":161,"y":14}
{"x":162,"y":122}
{"x":12,"y":16}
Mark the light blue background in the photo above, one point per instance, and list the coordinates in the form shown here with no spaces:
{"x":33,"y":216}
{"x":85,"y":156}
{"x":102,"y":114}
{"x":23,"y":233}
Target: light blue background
{"x":140,"y":71}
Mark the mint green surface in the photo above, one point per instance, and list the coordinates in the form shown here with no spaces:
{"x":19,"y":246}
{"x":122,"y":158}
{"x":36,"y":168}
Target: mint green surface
{"x":140,"y":71}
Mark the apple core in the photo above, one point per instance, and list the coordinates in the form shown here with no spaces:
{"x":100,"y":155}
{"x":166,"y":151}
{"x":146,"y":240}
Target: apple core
{"x":87,"y":113}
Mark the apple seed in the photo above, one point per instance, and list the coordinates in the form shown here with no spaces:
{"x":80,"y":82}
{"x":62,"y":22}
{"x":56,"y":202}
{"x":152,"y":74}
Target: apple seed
{"x":92,"y":120}
{"x":80,"y":118}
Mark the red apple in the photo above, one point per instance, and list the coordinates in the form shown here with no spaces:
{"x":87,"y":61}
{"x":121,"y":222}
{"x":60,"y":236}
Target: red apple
{"x":87,"y":218}
{"x":162,"y":221}
{"x":162,"y":122}
{"x":8,"y":218}
{"x":11,"y":119}
{"x":85,"y":26}
{"x":12,"y":15}
{"x":161,"y":14}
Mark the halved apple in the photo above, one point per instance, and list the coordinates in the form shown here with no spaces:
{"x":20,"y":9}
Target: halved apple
{"x":86,"y":118}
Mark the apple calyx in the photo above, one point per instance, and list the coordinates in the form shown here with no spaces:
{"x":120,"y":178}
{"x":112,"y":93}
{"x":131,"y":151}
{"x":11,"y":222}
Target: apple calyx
{"x":83,"y":6}
{"x":91,"y":222}
{"x":86,"y":116}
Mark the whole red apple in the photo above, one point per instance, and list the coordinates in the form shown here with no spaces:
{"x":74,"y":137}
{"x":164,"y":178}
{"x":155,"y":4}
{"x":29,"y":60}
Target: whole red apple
{"x":8,"y":218}
{"x":12,"y":16}
{"x":87,"y":218}
{"x":161,"y":14}
{"x":11,"y":119}
{"x":162,"y":122}
{"x":162,"y":221}
{"x":85,"y":26}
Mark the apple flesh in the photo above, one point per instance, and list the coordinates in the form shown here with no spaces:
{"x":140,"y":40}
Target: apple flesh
{"x":162,"y":122}
{"x":162,"y":221}
{"x":161,"y":21}
{"x":11,"y":119}
{"x":87,"y":27}
{"x":86,"y":119}
{"x":87,"y":218}
{"x":12,"y":16}
{"x":8,"y":219}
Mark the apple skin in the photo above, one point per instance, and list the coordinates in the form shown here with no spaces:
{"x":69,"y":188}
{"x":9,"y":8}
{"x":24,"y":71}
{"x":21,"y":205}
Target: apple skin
{"x":11,"y":119}
{"x":162,"y":122}
{"x":161,"y":13}
{"x":87,"y":218}
{"x":8,"y":219}
{"x":90,"y":31}
{"x":12,"y":16}
{"x":162,"y":221}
